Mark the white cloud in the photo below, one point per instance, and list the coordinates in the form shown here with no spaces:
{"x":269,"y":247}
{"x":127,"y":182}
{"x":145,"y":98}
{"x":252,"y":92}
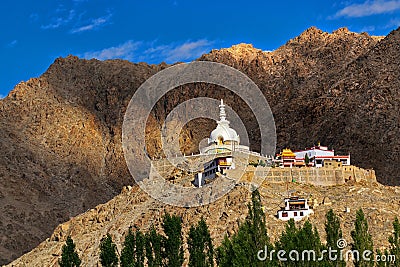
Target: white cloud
{"x":122,"y":51}
{"x":59,"y":21}
{"x":393,"y":24}
{"x":369,"y":8}
{"x":12,"y":43}
{"x":34,"y":17}
{"x":72,"y":19}
{"x":94,"y":24}
{"x":2,"y":96}
{"x":368,"y":28}
{"x":188,"y":50}
{"x":145,"y":51}
{"x":178,"y":52}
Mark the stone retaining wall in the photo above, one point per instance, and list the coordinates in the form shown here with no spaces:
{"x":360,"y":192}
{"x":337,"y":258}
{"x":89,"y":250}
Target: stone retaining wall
{"x":310,"y":175}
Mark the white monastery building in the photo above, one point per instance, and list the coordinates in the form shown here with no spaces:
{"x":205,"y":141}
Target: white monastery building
{"x":224,"y":140}
{"x":319,"y":154}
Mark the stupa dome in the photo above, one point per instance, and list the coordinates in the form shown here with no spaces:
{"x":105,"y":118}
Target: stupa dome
{"x":223,"y":134}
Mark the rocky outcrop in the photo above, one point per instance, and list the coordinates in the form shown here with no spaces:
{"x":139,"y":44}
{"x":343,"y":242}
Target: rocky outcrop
{"x":134,"y":208}
{"x":61,"y":133}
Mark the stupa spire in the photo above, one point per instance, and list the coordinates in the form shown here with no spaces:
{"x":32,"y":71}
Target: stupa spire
{"x":222,"y":113}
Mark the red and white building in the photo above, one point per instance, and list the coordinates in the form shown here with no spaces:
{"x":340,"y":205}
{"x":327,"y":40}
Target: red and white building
{"x":295,"y":208}
{"x":318,"y":154}
{"x":287,"y":159}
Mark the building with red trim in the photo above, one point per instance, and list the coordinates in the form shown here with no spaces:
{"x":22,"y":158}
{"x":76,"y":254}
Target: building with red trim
{"x":317,"y":156}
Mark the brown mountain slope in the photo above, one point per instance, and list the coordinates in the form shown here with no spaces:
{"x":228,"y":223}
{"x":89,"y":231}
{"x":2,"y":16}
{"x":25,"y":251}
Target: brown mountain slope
{"x":61,"y":133}
{"x":134,"y":208}
{"x":371,"y":87}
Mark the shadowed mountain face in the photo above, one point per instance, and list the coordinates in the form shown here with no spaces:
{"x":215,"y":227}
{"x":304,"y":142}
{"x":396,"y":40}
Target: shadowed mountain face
{"x":341,"y":89}
{"x":60,"y":135}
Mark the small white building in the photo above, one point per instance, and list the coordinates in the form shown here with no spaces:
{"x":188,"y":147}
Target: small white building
{"x":295,"y":208}
{"x":318,"y":154}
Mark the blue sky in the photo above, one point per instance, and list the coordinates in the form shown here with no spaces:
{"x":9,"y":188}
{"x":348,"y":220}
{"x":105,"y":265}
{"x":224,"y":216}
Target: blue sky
{"x":35,"y":33}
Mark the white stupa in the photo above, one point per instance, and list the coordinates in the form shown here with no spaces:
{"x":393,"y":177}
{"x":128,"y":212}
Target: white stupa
{"x":222,"y":142}
{"x":223,"y":138}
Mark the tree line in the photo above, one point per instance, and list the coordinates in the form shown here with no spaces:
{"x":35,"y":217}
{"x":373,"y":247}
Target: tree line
{"x":249,"y":246}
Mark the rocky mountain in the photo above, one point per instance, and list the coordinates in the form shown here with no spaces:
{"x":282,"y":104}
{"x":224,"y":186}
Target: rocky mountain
{"x":134,"y":208}
{"x":335,"y":88}
{"x":61,"y":146}
{"x":61,"y":133}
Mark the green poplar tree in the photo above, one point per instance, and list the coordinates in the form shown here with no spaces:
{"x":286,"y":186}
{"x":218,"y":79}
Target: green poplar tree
{"x":133,"y":252}
{"x":153,"y":248}
{"x":225,"y":253}
{"x":308,"y":240}
{"x":69,"y":257}
{"x":305,"y":240}
{"x":288,"y":238}
{"x":381,"y":254}
{"x":333,"y":234}
{"x":244,"y":249}
{"x":172,"y":242}
{"x":251,"y":237}
{"x":394,"y":241}
{"x":257,"y":222}
{"x":306,"y":159}
{"x":201,"y":250}
{"x":253,"y":233}
{"x":108,"y":252}
{"x":128,"y":252}
{"x":288,"y":241}
{"x":362,"y":240}
{"x":140,"y":244}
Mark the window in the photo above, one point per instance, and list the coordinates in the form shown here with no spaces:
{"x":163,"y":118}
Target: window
{"x":295,"y":213}
{"x":284,"y":214}
{"x":301,"y":213}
